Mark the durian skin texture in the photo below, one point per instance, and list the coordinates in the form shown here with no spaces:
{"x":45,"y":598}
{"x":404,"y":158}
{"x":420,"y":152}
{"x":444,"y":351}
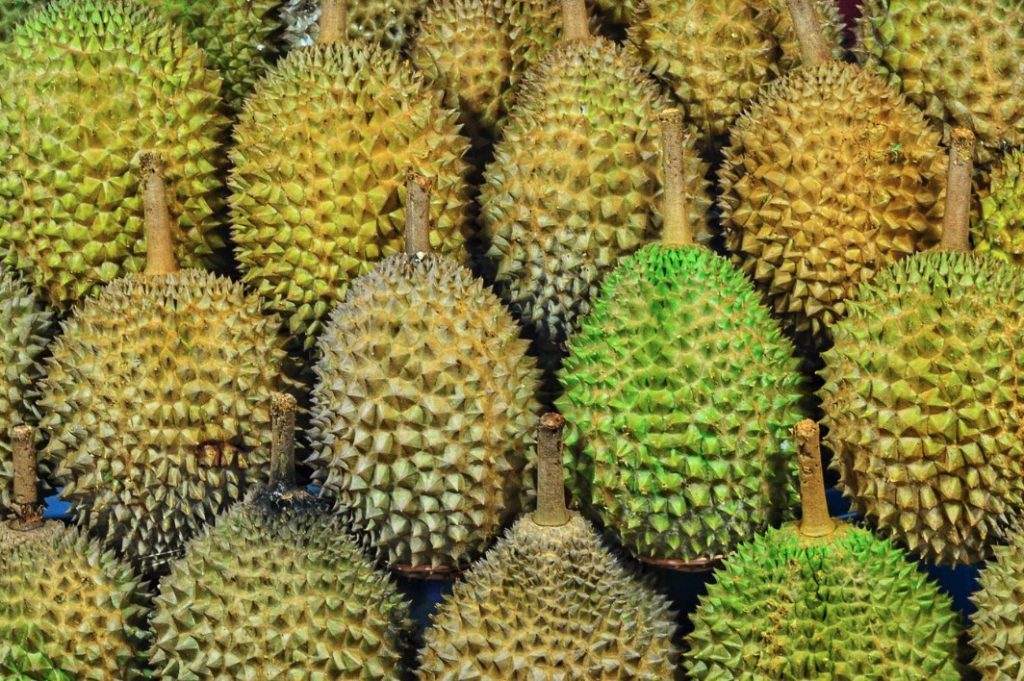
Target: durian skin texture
{"x":829,"y":177}
{"x":388,"y":22}
{"x":922,"y":404}
{"x":853,"y":607}
{"x":575,"y":182}
{"x":999,"y":229}
{"x":322,"y":151}
{"x":277,"y":593}
{"x":550,"y":603}
{"x":12,"y":12}
{"x":996,"y":624}
{"x":19,"y":664}
{"x":423,"y":412}
{"x":88,"y":85}
{"x":156,"y":400}
{"x":680,"y":394}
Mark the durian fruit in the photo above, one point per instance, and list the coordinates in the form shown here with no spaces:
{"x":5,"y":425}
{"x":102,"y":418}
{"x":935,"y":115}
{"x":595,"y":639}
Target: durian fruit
{"x":317,"y":189}
{"x":680,"y":391}
{"x":821,"y":599}
{"x":999,"y":229}
{"x":921,"y":396}
{"x":574,"y":180}
{"x":388,"y":22}
{"x":996,"y":625}
{"x":829,"y":177}
{"x":12,"y":12}
{"x":155,"y":399}
{"x":422,"y":408}
{"x":278,"y":590}
{"x":959,"y":61}
{"x":716,"y":54}
{"x":86,"y":84}
{"x":68,"y":609}
{"x":549,"y":602}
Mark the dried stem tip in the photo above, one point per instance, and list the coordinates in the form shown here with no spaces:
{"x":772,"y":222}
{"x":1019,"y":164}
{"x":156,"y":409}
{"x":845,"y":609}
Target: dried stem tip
{"x":956,"y":222}
{"x":157,"y":216}
{"x":575,"y":20}
{"x":417,"y":215}
{"x":816,"y":521}
{"x":676,"y":230}
{"x":814,"y":49}
{"x":282,"y":446}
{"x":26,"y":478}
{"x":551,"y":510}
{"x":333,"y":22}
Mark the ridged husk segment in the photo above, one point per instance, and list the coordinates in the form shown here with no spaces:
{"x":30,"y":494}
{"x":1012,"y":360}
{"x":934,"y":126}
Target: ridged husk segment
{"x":12,"y":12}
{"x":996,"y":625}
{"x":829,"y":177}
{"x":851,"y":607}
{"x":680,"y":392}
{"x":275,"y":593}
{"x":322,"y":150}
{"x":64,"y":598}
{"x":88,"y":84}
{"x":958,"y":61}
{"x":715,"y":55}
{"x":388,"y":22}
{"x":156,"y":401}
{"x":550,"y":602}
{"x":575,"y":182}
{"x":424,"y":412}
{"x":922,"y":404}
{"x":999,"y":229}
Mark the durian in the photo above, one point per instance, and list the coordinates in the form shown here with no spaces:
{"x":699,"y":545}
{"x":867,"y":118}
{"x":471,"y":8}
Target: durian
{"x":999,"y":229}
{"x":997,"y":621}
{"x":321,"y":151}
{"x":155,"y":396}
{"x":86,"y":84}
{"x":680,"y":392}
{"x":18,"y":663}
{"x":12,"y":12}
{"x":821,"y":600}
{"x":388,"y":22}
{"x":829,"y":177}
{"x":276,"y":590}
{"x":920,"y":392}
{"x":422,"y":407}
{"x":549,"y":602}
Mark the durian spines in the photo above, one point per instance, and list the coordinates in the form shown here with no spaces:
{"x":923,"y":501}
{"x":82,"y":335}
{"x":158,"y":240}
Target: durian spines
{"x":956,"y":222}
{"x":814,"y":48}
{"x":333,"y":22}
{"x":551,"y":510}
{"x":676,"y":228}
{"x":282,"y":444}
{"x":575,"y":21}
{"x":417,"y":214}
{"x":156,"y":216}
{"x":816,"y":521}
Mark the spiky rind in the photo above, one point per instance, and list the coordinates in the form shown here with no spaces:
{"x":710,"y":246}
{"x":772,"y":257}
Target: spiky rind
{"x":922,"y":405}
{"x":809,"y":221}
{"x":550,"y":602}
{"x":996,"y":625}
{"x":156,"y":400}
{"x":88,"y":84}
{"x":388,"y":22}
{"x":13,"y":12}
{"x":851,"y":607}
{"x":18,"y":663}
{"x":999,"y":229}
{"x":424,"y":412}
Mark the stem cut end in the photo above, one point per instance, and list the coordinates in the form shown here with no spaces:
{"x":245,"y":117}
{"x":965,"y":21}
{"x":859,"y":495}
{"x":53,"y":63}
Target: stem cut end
{"x":956,"y":223}
{"x":676,"y":230}
{"x":551,"y":510}
{"x":575,"y":20}
{"x":157,"y":216}
{"x":417,"y":215}
{"x":333,"y":22}
{"x":816,"y":521}
{"x":814,"y":49}
{"x":26,"y":479}
{"x":282,"y":447}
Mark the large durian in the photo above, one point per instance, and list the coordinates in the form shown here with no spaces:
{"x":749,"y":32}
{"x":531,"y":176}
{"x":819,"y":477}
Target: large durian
{"x":12,"y":12}
{"x":321,"y":151}
{"x":680,"y":392}
{"x":999,"y":228}
{"x":829,"y":177}
{"x":86,"y":84}
{"x":921,"y":396}
{"x":821,"y":599}
{"x":575,"y":177}
{"x":277,"y":589}
{"x":155,"y":399}
{"x":997,"y":623}
{"x":388,"y":22}
{"x":549,"y":602}
{"x":422,"y":408}
{"x":959,"y":60}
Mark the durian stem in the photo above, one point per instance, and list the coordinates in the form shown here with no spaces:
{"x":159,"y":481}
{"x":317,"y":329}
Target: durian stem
{"x":551,"y":510}
{"x":675,"y":230}
{"x":417,"y":215}
{"x":157,"y":216}
{"x":956,"y":222}
{"x":814,"y":49}
{"x":333,"y":22}
{"x":282,"y":439}
{"x":26,"y":478}
{"x":575,"y":20}
{"x":816,"y":521}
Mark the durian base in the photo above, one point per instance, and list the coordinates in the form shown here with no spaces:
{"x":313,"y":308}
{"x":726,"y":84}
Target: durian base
{"x":427,"y":572}
{"x":676,"y":565}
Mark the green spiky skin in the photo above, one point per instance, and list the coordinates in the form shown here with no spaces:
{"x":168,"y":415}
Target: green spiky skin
{"x":388,"y":22}
{"x":575,"y":182}
{"x":269,"y":594}
{"x":958,"y":61}
{"x":156,"y":400}
{"x":20,"y":664}
{"x":999,"y":230}
{"x":716,"y":55}
{"x":550,"y":603}
{"x":922,"y":407}
{"x":12,"y":12}
{"x":847,"y":607}
{"x":680,"y":393}
{"x":424,"y":412}
{"x":63,"y":598}
{"x":78,"y":108}
{"x":323,"y":149}
{"x":810,"y":221}
{"x":996,"y":625}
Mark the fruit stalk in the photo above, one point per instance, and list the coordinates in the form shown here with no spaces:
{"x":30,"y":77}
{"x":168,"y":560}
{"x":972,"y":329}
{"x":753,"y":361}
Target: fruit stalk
{"x":157,"y":217}
{"x":957,"y":219}
{"x":417,"y":215}
{"x":551,"y":510}
{"x":575,"y":20}
{"x":282,"y":439}
{"x":333,"y":22}
{"x":816,"y":521}
{"x":814,"y":49}
{"x":675,"y":229}
{"x":26,"y":482}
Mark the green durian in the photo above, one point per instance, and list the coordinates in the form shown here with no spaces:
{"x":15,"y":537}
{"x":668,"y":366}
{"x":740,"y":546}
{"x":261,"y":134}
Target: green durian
{"x":18,"y":663}
{"x":388,"y":22}
{"x":999,"y":229}
{"x":13,"y":12}
{"x":997,"y":622}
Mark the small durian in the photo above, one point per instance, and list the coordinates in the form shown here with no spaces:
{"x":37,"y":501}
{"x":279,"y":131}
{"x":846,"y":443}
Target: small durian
{"x":821,"y":599}
{"x":999,"y":228}
{"x":550,"y":602}
{"x":387,"y":22}
{"x":68,"y":609}
{"x":155,"y":397}
{"x":996,"y":625}
{"x":422,"y":407}
{"x":680,"y":391}
{"x":321,"y":151}
{"x":86,"y":84}
{"x":829,"y":176}
{"x":13,"y":12}
{"x":277,"y":589}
